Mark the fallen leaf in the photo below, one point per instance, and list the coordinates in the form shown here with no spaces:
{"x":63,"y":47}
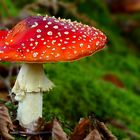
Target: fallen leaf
{"x":5,"y":123}
{"x":107,"y":134}
{"x":4,"y":96}
{"x":34,"y":138}
{"x":57,"y":131}
{"x":114,"y":80}
{"x":81,"y":130}
{"x":120,"y":125}
{"x":104,"y":132}
{"x":93,"y":135}
{"x":39,"y":130}
{"x":35,"y":126}
{"x":124,"y":6}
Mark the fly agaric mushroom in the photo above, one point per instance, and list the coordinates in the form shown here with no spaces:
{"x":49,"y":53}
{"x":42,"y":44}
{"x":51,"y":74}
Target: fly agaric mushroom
{"x":40,"y":39}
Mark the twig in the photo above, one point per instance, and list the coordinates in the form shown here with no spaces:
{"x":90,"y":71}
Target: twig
{"x":30,"y":133}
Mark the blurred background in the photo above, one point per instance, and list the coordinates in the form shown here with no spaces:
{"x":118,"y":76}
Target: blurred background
{"x":107,"y":83}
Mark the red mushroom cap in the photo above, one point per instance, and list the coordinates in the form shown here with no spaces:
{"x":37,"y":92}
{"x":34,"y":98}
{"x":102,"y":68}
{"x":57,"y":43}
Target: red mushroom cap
{"x":47,"y":39}
{"x":3,"y":34}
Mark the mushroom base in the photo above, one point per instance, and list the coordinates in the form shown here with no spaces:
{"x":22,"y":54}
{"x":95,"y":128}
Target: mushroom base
{"x":29,"y":109}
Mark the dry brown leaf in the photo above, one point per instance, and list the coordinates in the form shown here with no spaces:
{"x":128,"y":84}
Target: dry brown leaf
{"x":81,"y":130}
{"x":114,"y":80}
{"x":120,"y":125}
{"x":57,"y":131}
{"x":93,"y":135}
{"x":5,"y":123}
{"x":4,"y":96}
{"x":39,"y":130}
{"x":105,"y":131}
{"x":124,"y":6}
{"x":34,"y":138}
{"x":36,"y":126}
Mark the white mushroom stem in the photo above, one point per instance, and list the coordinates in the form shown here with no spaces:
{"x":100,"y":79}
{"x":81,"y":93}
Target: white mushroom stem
{"x":29,"y":109}
{"x":30,"y":84}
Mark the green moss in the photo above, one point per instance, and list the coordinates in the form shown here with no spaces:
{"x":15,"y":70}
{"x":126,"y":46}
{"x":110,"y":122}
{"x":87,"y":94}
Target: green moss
{"x":80,"y":90}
